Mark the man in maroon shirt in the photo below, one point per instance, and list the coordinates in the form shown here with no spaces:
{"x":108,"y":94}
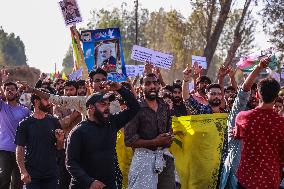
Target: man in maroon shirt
{"x":262,"y":133}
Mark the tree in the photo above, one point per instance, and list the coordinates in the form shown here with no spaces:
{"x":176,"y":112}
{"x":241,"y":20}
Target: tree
{"x":238,"y":32}
{"x":211,"y":31}
{"x":273,"y":16}
{"x":12,"y":49}
{"x":68,"y":61}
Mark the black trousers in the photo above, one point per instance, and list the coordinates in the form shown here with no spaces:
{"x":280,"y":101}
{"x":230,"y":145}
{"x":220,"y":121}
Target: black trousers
{"x":45,"y":183}
{"x":9,"y":172}
{"x":64,"y":175}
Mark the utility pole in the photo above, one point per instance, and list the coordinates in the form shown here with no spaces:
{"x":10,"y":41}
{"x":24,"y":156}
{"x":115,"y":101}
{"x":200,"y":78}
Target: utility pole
{"x":136,"y":21}
{"x":136,"y":24}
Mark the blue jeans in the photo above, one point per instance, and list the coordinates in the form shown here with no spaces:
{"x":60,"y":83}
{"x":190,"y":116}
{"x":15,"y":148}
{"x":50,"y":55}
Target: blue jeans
{"x":46,"y":183}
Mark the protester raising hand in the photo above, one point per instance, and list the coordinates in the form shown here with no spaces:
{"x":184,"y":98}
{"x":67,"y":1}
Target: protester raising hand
{"x":186,"y":78}
{"x":187,"y":74}
{"x":264,"y":62}
{"x":4,"y":75}
{"x":197,"y":70}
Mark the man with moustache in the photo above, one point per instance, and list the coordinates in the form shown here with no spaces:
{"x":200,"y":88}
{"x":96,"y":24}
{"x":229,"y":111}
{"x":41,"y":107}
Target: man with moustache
{"x":59,"y":86}
{"x":11,"y":114}
{"x":213,"y":93}
{"x":82,"y":88}
{"x":150,"y":134}
{"x":40,"y":137}
{"x":90,"y":156}
{"x":179,"y":108}
{"x":77,"y":103}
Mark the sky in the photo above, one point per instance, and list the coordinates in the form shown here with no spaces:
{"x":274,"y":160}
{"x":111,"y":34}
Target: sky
{"x":40,"y":25}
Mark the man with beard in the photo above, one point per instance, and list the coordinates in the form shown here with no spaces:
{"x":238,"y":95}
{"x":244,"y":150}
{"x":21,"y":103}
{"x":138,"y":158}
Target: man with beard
{"x":150,"y":134}
{"x":78,"y":103}
{"x":74,"y":102}
{"x":213,"y":93}
{"x":82,"y":88}
{"x":179,"y":108}
{"x":11,"y":114}
{"x":39,"y":136}
{"x":91,"y":145}
{"x":68,"y":119}
{"x":59,"y":86}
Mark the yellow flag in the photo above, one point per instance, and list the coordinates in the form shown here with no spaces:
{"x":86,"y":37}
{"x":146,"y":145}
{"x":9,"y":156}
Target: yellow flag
{"x":197,"y":149}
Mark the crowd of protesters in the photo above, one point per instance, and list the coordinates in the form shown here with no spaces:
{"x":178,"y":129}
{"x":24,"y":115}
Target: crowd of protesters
{"x":65,"y":137}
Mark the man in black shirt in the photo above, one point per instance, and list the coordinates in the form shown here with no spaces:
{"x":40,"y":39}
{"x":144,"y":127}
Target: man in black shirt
{"x":179,"y":108}
{"x":91,"y":145}
{"x":40,"y":136}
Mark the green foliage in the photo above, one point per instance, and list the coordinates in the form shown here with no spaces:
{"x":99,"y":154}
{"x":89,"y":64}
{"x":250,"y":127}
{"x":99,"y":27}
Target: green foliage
{"x":249,"y":27}
{"x":12,"y":49}
{"x":170,"y":32}
{"x":273,"y":16}
{"x":68,"y":62}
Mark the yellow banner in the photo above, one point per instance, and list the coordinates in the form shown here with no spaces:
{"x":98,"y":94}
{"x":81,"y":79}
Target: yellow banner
{"x":197,"y":149}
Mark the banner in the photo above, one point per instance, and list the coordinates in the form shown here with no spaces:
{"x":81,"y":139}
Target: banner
{"x":103,"y":48}
{"x":156,"y":58}
{"x":197,"y":148}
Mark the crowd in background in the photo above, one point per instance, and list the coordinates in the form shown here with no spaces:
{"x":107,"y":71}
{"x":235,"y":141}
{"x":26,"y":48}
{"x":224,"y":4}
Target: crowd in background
{"x":62,"y":133}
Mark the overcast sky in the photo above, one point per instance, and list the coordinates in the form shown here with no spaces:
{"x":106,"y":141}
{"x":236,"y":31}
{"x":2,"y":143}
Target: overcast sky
{"x":40,"y":25}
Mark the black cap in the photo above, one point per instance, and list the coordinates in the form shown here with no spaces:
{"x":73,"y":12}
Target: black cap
{"x":97,"y":97}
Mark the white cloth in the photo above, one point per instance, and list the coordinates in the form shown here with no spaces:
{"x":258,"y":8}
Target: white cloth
{"x":145,"y":167}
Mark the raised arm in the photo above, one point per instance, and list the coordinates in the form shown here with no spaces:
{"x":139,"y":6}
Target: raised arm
{"x":70,"y":102}
{"x":3,"y":78}
{"x":124,"y":117}
{"x":253,"y":75}
{"x":185,"y":83}
{"x":232,"y":73}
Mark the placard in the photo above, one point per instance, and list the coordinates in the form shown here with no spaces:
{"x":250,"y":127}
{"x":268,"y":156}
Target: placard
{"x":70,"y":12}
{"x":200,"y":60}
{"x":103,"y":48}
{"x":156,"y":58}
{"x":134,"y":70}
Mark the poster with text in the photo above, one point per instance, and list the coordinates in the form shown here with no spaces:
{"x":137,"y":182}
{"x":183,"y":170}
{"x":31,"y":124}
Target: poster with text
{"x":103,"y":48}
{"x":70,"y":12}
{"x":159,"y":59}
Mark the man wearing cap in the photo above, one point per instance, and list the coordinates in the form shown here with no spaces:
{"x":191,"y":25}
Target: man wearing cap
{"x":91,"y":145}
